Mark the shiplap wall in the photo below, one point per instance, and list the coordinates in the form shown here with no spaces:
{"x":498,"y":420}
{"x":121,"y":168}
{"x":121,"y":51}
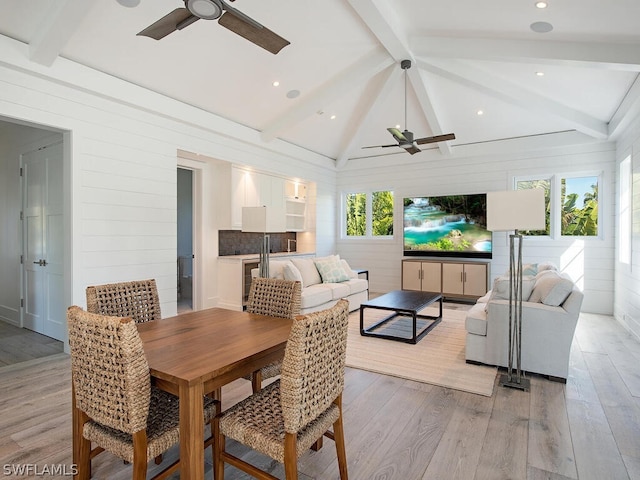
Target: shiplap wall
{"x":627,"y":279}
{"x":122,"y":159}
{"x":590,"y":262}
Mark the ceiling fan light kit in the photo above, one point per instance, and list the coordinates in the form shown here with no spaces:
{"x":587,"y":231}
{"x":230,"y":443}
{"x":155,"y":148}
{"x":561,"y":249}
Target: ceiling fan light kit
{"x":206,"y":9}
{"x":405,"y":138}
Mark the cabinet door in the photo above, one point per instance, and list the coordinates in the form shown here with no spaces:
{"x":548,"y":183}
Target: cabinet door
{"x":237,"y":197}
{"x":453,"y":278}
{"x":475,"y":276}
{"x":411,"y":275}
{"x":432,"y":277}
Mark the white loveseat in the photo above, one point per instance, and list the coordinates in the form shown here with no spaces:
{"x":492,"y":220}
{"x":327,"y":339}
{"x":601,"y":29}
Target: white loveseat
{"x":325,"y":280}
{"x":549,"y":318}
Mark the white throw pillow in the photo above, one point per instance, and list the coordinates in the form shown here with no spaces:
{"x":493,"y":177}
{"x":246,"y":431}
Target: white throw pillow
{"x":551,"y":290}
{"x":500,"y":288}
{"x":308,"y":270}
{"x":348,"y":269}
{"x":545,"y":266}
{"x":292,"y":273}
{"x":330,"y":269}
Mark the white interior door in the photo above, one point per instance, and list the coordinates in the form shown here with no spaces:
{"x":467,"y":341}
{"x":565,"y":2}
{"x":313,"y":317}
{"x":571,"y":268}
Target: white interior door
{"x":42,"y":236}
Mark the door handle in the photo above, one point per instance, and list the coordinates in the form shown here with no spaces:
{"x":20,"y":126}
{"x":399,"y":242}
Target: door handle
{"x":42,"y":262}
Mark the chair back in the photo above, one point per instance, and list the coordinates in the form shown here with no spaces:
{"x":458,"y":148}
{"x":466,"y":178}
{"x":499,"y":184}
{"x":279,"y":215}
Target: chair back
{"x":313,"y":365}
{"x":109,"y":369}
{"x":138,"y":300}
{"x":274,"y":297}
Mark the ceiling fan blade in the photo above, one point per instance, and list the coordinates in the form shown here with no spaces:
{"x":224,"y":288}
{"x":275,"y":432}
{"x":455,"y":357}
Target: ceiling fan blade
{"x":412,"y":149}
{"x":436,"y":138}
{"x":382,"y":146}
{"x":263,"y":37}
{"x":176,"y":20}
{"x":397,"y":134}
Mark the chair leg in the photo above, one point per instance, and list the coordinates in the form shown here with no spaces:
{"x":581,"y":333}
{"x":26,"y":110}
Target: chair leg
{"x":218,"y":448}
{"x":256,"y":381}
{"x":290,"y":457}
{"x":139,"y":455}
{"x":338,"y":434}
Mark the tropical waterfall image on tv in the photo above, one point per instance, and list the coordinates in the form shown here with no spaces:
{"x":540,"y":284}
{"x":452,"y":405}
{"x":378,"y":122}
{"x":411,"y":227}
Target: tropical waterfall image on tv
{"x":448,"y":226}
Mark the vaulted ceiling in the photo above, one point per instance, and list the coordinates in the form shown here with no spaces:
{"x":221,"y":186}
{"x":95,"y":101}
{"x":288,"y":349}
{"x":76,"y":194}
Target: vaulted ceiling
{"x":581,"y":78}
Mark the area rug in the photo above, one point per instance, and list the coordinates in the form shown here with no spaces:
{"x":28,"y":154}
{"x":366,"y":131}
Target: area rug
{"x":437,"y":359}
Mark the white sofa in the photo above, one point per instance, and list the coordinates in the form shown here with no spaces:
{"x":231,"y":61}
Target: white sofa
{"x":325,"y":280}
{"x":549,"y":318}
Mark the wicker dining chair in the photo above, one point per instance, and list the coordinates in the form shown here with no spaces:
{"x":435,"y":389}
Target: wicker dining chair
{"x":138,"y":300}
{"x":288,"y":416}
{"x":276,"y":298}
{"x":114,"y":404}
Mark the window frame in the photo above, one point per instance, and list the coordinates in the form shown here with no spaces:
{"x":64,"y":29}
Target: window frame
{"x":625,"y":212}
{"x":368,"y":192}
{"x":555,"y":203}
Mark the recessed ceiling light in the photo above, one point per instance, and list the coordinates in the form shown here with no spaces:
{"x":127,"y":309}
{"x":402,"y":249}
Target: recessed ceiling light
{"x":293,"y":93}
{"x":398,"y":126}
{"x":276,"y":83}
{"x":333,"y":117}
{"x":541,"y":4}
{"x":480,"y":112}
{"x":541,"y":27}
{"x":540,"y":74}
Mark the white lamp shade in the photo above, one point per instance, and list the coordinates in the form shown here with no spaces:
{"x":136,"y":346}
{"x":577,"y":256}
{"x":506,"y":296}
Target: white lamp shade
{"x":263,"y":220}
{"x":516,"y":210}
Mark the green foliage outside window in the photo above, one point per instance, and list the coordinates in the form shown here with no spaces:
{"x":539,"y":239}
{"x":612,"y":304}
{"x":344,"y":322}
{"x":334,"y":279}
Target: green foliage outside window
{"x":579,"y":219}
{"x":356,"y":214}
{"x":382,"y":206}
{"x":381,"y":217}
{"x":578,"y":205}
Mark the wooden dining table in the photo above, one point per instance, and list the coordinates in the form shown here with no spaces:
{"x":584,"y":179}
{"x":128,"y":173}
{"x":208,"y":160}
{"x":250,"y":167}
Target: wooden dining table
{"x":196,"y":353}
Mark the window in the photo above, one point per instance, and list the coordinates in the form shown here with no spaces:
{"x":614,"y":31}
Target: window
{"x":369,"y":214}
{"x":544,"y":183}
{"x":571,"y":203}
{"x":579,"y":200}
{"x":624,"y":239}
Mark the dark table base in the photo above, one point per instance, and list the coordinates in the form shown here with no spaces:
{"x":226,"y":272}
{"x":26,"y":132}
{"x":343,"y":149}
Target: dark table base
{"x":409,"y":326}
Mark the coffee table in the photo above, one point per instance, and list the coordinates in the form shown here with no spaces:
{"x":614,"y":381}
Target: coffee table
{"x":404,"y":324}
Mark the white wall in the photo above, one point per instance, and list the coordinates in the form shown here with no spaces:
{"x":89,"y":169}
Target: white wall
{"x":123,"y":149}
{"x":627,"y":278}
{"x":590,"y":261}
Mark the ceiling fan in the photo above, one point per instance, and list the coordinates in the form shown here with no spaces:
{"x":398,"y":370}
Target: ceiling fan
{"x":232,"y":19}
{"x":405,"y":138}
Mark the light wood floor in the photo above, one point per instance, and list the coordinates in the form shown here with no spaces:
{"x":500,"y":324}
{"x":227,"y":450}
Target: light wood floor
{"x":398,"y":429}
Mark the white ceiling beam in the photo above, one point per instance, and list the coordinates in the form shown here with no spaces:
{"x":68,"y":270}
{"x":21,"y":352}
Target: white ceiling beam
{"x":364,"y":114}
{"x":350,"y":79}
{"x":381,"y":18}
{"x":57,"y":27}
{"x":514,"y":94}
{"x":384,"y":23}
{"x":609,"y":56}
{"x":628,"y":110}
{"x":419,"y":84}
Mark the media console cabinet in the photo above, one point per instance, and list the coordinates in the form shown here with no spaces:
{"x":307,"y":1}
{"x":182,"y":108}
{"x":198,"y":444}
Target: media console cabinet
{"x":459,"y":279}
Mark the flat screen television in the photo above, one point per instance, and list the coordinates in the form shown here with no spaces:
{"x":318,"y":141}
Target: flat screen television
{"x":446,"y":226}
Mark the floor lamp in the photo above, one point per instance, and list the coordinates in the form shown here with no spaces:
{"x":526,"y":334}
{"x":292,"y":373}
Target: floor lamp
{"x":263,"y":220}
{"x":515,"y":210}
